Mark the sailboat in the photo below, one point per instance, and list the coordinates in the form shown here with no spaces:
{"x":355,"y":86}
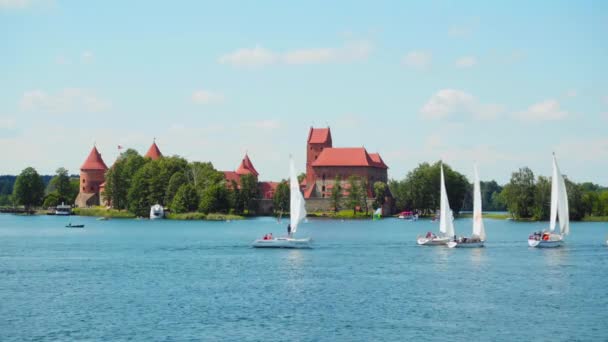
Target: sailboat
{"x":479,"y":233}
{"x":559,"y":209}
{"x":297,"y":213}
{"x":446,"y":224}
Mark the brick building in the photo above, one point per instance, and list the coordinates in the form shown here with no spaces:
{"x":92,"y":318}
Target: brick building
{"x":324,"y":162}
{"x":246,"y":167}
{"x":92,"y":178}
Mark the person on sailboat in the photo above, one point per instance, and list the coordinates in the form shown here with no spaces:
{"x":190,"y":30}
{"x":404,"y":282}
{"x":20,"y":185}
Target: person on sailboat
{"x":289,"y":230}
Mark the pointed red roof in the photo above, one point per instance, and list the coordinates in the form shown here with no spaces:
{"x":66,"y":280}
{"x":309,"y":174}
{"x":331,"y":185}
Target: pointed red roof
{"x":348,"y":156}
{"x":153,"y":152}
{"x":246,"y":167}
{"x":319,"y":135}
{"x":94,"y":161}
{"x":378,"y":160}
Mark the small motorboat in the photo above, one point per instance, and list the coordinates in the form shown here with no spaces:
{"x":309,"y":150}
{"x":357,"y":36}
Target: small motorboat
{"x":157,"y":212}
{"x":545,"y":240}
{"x":69,"y":225}
{"x":432,"y":240}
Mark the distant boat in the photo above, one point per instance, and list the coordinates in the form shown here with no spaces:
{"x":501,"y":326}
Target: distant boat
{"x":479,"y":233}
{"x":157,"y":212}
{"x":559,"y":208}
{"x":297,"y":213}
{"x":446,"y":221}
{"x":377,"y":214}
{"x":63,"y":209}
{"x":408,"y":216}
{"x":70,"y":225}
{"x":104,"y":218}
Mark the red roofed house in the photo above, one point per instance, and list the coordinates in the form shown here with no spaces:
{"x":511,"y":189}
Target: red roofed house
{"x":324,"y":162}
{"x":92,"y":177}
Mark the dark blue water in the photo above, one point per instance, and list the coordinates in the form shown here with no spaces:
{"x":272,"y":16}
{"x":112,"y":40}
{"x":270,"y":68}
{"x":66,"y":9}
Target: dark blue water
{"x":172,"y":281}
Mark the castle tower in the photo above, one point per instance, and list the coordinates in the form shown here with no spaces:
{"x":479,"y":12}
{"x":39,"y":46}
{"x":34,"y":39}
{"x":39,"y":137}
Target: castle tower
{"x":246,"y":167}
{"x":318,"y":139}
{"x":153,"y":152}
{"x":92,"y":175}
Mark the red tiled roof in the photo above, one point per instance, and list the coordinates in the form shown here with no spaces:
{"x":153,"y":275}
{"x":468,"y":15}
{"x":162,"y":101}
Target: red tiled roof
{"x":347,"y":156}
{"x":246,"y":167}
{"x":378,"y":160}
{"x":232,"y":176}
{"x":94,"y":161}
{"x":319,"y":135}
{"x":153,"y":152}
{"x":267,"y":189}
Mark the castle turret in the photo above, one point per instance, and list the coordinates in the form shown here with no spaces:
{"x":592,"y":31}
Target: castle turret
{"x":153,"y":152}
{"x":318,"y":139}
{"x":92,"y":175}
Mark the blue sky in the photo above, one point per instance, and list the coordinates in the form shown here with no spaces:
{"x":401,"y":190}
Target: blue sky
{"x":502,"y":84}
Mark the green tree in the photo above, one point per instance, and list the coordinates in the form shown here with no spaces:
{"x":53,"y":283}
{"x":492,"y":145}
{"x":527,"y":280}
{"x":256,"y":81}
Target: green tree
{"x":336,"y":194}
{"x":354,"y":193}
{"x":249,"y":193}
{"x":60,"y":184}
{"x":29,"y":188}
{"x":175,"y":182}
{"x":214,"y":199}
{"x":542,"y":199}
{"x":518,"y":195}
{"x":120,"y":177}
{"x":575,"y":201}
{"x":51,"y":200}
{"x":185,"y":200}
{"x":301,"y":177}
{"x":281,"y":197}
{"x":380,"y":192}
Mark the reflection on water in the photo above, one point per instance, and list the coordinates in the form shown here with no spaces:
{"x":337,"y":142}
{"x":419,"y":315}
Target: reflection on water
{"x":477,"y":256}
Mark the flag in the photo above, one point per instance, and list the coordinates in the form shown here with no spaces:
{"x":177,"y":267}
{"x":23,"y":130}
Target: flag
{"x":120,"y":147}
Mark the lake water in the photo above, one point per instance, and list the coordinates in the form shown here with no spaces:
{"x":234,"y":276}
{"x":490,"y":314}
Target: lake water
{"x":365,"y":281}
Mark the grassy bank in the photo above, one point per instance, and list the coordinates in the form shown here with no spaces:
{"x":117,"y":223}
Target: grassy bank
{"x":495,"y":216}
{"x":595,"y":218}
{"x":103,"y":212}
{"x":201,"y":216}
{"x":342,"y":214}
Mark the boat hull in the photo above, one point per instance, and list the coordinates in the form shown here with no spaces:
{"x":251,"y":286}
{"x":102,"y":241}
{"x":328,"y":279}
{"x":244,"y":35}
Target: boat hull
{"x":436,"y":241}
{"x":545,"y":243}
{"x":477,"y":244}
{"x":283,"y":243}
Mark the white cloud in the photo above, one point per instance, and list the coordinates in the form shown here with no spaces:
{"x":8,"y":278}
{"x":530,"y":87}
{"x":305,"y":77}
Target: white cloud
{"x":266,"y":124}
{"x":466,"y":62}
{"x":14,"y":3}
{"x":571,"y":93}
{"x":420,"y":60}
{"x":66,"y":100}
{"x":206,"y":97}
{"x":259,"y":56}
{"x":584,"y":149}
{"x":87,"y":57}
{"x":548,"y":110}
{"x":452,"y":102}
{"x":460,"y":32}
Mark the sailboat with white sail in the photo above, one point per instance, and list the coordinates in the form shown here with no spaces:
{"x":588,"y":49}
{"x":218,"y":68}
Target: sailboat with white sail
{"x":479,"y":232}
{"x":559,"y":214}
{"x":446,"y":221}
{"x":297,"y":213}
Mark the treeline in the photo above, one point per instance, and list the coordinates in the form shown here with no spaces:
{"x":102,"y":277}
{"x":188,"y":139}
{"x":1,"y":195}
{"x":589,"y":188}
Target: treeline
{"x":32,"y":190}
{"x":136,"y":183}
{"x":524,"y":197}
{"x":529,"y":197}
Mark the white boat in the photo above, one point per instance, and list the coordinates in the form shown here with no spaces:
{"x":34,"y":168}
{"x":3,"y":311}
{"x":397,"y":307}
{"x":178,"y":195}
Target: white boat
{"x":479,"y":232}
{"x":446,"y":221}
{"x":157,"y":212}
{"x":297,"y":213}
{"x":559,"y":209}
{"x":63,"y":209}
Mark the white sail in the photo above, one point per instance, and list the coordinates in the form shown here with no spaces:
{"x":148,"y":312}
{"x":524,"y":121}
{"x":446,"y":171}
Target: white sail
{"x":297,"y":209}
{"x":446,"y":224}
{"x":562,"y":201}
{"x":554,"y":195}
{"x":478,"y":227}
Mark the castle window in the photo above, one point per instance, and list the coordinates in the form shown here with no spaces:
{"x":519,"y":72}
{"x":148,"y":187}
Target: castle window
{"x":84,"y":180}
{"x":83,"y":188}
{"x":324,"y":177}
